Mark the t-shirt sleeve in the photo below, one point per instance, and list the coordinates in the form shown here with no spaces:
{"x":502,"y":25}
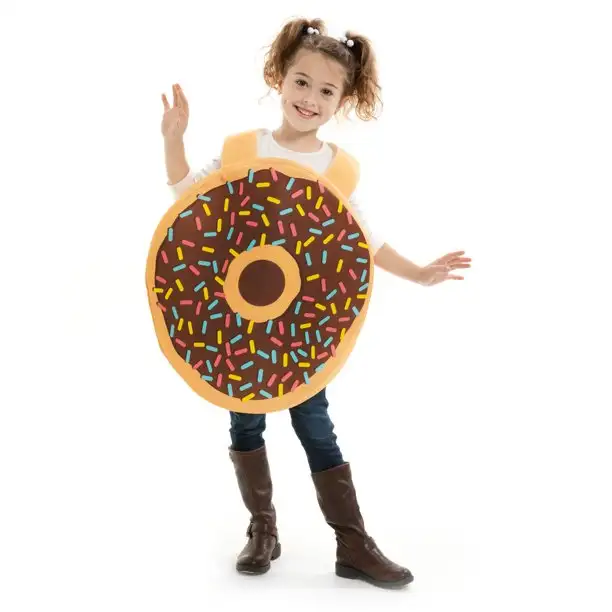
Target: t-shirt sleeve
{"x":193,"y":177}
{"x":375,"y":239}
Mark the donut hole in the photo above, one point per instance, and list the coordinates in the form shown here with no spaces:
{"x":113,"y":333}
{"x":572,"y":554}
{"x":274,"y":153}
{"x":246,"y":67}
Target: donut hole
{"x":261,"y":283}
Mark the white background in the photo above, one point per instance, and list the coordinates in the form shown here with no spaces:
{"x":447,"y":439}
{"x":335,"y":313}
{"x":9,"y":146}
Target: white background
{"x":478,"y":434}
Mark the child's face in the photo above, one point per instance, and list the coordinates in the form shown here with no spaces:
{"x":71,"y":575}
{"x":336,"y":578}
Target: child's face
{"x":312,"y":90}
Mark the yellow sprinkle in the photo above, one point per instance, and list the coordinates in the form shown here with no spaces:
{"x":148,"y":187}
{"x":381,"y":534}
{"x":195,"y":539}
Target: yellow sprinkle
{"x":303,"y":364}
{"x":363,"y":245}
{"x":190,"y":328}
{"x":328,"y":239}
{"x":300,"y":210}
{"x":265,"y":220}
{"x":342,"y":333}
{"x":250,"y":328}
{"x":263,"y":240}
{"x":179,"y":252}
{"x":312,"y":352}
{"x":234,"y":253}
{"x":280,"y":390}
{"x":319,"y":202}
{"x":226,"y":205}
{"x":305,"y":325}
{"x":180,"y":325}
{"x":244,"y":213}
{"x":333,"y":308}
{"x":273,"y":200}
{"x":219,"y":337}
{"x":208,"y":249}
{"x":235,"y":377}
{"x":199,"y":345}
{"x":260,"y":185}
{"x":252,"y":346}
{"x":219,"y":280}
{"x":339,"y":207}
{"x":285,"y":360}
{"x":348,"y":303}
{"x":205,"y":293}
{"x":219,"y":224}
{"x":312,"y":277}
{"x":298,"y":247}
{"x":361,"y":296}
{"x":206,"y":209}
{"x":158,"y":290}
{"x":179,"y":284}
{"x":308,"y":192}
{"x":168,"y":293}
{"x":339,"y":267}
{"x":320,"y":306}
{"x":309,"y":241}
{"x":248,"y":397}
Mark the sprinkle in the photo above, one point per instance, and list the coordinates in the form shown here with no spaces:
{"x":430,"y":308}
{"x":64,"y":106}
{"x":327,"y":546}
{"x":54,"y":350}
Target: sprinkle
{"x":320,"y":306}
{"x":247,"y":365}
{"x":276,"y":341}
{"x":294,"y":357}
{"x":306,"y":379}
{"x":179,"y":284}
{"x":323,"y":285}
{"x":333,"y":308}
{"x":241,"y":352}
{"x":188,"y":243}
{"x":281,"y":229}
{"x":263,"y":240}
{"x":194,"y":270}
{"x":328,"y":341}
{"x":170,"y":234}
{"x":179,"y":267}
{"x":352,"y":273}
{"x":362,"y":260}
{"x":212,"y":349}
{"x":251,"y":173}
{"x":233,"y":218}
{"x":238,"y":320}
{"x":180,"y":343}
{"x":293,"y":230}
{"x":252,"y":244}
{"x":260,"y":375}
{"x":235,"y":376}
{"x":241,"y":189}
{"x":308,"y":260}
{"x":208,"y":249}
{"x":300,"y":210}
{"x":281,"y":328}
{"x":246,"y":386}
{"x":273,"y":200}
{"x":326,"y":210}
{"x":272,"y":379}
{"x":258,"y":207}
{"x":199,"y":307}
{"x":307,"y":337}
{"x":234,"y":253}
{"x":230,"y":187}
{"x":236,"y":339}
{"x":324,"y":320}
{"x":363,"y":287}
{"x":346,"y":247}
{"x":287,"y":376}
{"x":252,"y":346}
{"x":297,"y":194}
{"x":219,"y":337}
{"x":204,"y":198}
{"x":303,"y":364}
{"x":226,"y":205}
{"x":298,"y":247}
{"x":230,"y":391}
{"x":206,"y":293}
{"x":347,"y":304}
{"x":293,"y":330}
{"x":244,"y":202}
{"x":244,"y":213}
{"x":239,"y":238}
{"x":206,"y":209}
{"x":265,"y":394}
{"x":312,"y":277}
{"x":198,"y":224}
{"x":355,"y":311}
{"x":342,"y":287}
{"x":279,"y":242}
{"x":314,"y":217}
{"x":329,"y":222}
{"x":248,"y":397}
{"x":213,"y":304}
{"x":219,"y":315}
{"x":307,"y":298}
{"x":290,"y":183}
{"x":164,"y":257}
{"x":324,"y":257}
{"x":215,"y":267}
{"x":305,"y":325}
{"x":219,"y":280}
{"x":262,"y":354}
{"x":318,"y":334}
{"x":180,"y":325}
{"x":204,"y":326}
{"x":286,"y":211}
{"x":274,"y":175}
{"x":175,"y":313}
{"x":280,"y":390}
{"x":265,"y":220}
{"x":285,"y":360}
{"x":250,"y":327}
{"x":179,"y":253}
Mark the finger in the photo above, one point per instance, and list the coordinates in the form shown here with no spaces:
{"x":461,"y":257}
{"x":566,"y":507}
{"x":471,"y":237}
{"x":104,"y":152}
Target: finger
{"x":174,"y":95}
{"x":165,"y":101}
{"x":183,"y":97}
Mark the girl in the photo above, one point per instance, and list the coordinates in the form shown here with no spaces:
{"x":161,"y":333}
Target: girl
{"x":317,"y":77}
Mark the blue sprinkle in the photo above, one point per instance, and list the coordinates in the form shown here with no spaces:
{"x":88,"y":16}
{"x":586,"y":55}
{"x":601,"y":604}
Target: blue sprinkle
{"x":297,"y":307}
{"x":247,"y":365}
{"x":209,"y":366}
{"x":246,"y":386}
{"x":230,"y":391}
{"x":302,"y":352}
{"x":236,"y":339}
{"x":230,"y":187}
{"x":210,"y":234}
{"x":313,"y":230}
{"x":324,"y":257}
{"x":207,"y":378}
{"x":308,"y":260}
{"x":262,"y":354}
{"x":231,"y":231}
{"x":250,"y":176}
{"x":213,"y":304}
{"x":346,"y":247}
{"x":274,"y":356}
{"x":328,"y":222}
{"x":260,"y":375}
{"x":175,"y":313}
{"x":294,"y":357}
{"x":279,"y":242}
{"x":364,"y":287}
{"x":328,"y":341}
{"x":286,"y":211}
{"x":179,"y":267}
{"x":306,"y":379}
{"x":324,"y":320}
{"x":186,"y":214}
{"x":216,"y":316}
{"x":353,"y":236}
{"x":355,"y":311}
{"x":203,"y":197}
{"x":331,"y":295}
{"x":290,"y":183}
{"x":172,"y":331}
{"x":215,"y":267}
{"x":293,"y":330}
{"x":318,"y":334}
{"x":258,"y":207}
{"x":170,"y":234}
{"x":212,"y":349}
{"x":265,"y":394}
{"x":307,"y":337}
{"x":238,"y":320}
{"x":362,"y":260}
{"x":204,"y":326}
{"x":269,"y":326}
{"x":253,"y":243}
{"x":200,"y":286}
{"x":204,"y":263}
{"x":364,"y":274}
{"x":320,"y":367}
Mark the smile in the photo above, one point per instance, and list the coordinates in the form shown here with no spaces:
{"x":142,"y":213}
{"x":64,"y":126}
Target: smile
{"x":304,"y":113}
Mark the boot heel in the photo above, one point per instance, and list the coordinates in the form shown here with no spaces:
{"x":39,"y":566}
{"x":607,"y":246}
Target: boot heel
{"x":346,"y":572}
{"x":276,"y":553}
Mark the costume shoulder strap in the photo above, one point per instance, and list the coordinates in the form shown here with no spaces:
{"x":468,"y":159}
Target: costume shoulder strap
{"x":240,"y":147}
{"x":343,"y":172}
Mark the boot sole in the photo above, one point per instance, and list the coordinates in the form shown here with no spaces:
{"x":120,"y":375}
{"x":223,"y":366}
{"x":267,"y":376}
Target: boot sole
{"x":344,"y":571}
{"x":257,"y":570}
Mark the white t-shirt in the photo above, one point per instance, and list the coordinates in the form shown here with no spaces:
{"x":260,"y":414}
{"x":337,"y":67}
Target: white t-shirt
{"x":268,"y":147}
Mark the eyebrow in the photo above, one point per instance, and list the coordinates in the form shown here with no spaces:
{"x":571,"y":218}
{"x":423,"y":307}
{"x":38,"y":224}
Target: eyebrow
{"x":309,"y":77}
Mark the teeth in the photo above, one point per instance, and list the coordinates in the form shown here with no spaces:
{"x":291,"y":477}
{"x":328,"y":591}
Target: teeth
{"x":304,"y":112}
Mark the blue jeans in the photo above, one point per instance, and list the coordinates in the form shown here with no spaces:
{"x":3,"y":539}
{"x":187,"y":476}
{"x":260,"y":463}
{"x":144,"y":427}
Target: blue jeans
{"x":311,"y":423}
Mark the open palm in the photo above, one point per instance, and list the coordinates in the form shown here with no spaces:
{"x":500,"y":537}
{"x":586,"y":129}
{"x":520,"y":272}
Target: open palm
{"x":176,"y":117}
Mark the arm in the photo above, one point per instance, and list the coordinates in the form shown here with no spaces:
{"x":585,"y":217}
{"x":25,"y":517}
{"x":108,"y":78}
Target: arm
{"x":390,"y":260}
{"x":176,"y":163}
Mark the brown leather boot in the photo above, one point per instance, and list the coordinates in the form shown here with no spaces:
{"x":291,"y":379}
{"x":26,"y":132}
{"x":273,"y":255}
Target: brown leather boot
{"x":357,"y":555}
{"x":253,"y":474}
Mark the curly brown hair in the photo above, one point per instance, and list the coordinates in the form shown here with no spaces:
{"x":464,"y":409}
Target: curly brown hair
{"x":361,"y":87}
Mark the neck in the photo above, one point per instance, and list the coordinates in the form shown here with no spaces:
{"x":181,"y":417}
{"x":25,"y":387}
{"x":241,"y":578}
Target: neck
{"x":304,"y":142}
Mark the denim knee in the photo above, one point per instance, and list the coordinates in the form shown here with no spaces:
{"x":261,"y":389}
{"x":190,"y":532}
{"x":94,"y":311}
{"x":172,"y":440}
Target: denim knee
{"x":246,"y":431}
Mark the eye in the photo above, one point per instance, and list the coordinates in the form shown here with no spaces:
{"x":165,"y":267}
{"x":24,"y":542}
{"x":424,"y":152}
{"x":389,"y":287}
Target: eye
{"x":301,"y":83}
{"x":328,"y":92}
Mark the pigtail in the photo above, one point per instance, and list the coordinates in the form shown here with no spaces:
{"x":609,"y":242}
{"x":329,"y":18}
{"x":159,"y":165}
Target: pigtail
{"x":284,"y":47}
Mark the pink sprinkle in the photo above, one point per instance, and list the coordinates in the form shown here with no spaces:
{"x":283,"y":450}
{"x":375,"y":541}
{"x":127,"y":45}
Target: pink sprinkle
{"x":341,"y":235}
{"x":233,"y":218}
{"x":342,"y":287}
{"x":228,"y":349}
{"x":220,"y":295}
{"x":230,"y":365}
{"x":199,"y":307}
{"x":297,"y":194}
{"x":276,"y":341}
{"x":295,"y":384}
{"x":186,"y":302}
{"x":272,"y":379}
{"x":326,"y":210}
{"x":293,"y":230}
{"x":307,"y":298}
{"x":310,"y":315}
{"x":333,"y":350}
{"x":198,"y":224}
{"x":161,"y":279}
{"x":281,"y":227}
{"x":227,"y":320}
{"x":281,"y":328}
{"x":287,"y":376}
{"x":180,"y":343}
{"x":323,"y":285}
{"x":322,"y":355}
{"x":197,"y":365}
{"x":162,"y":307}
{"x":296,"y":344}
{"x":188,"y":243}
{"x":274,"y":175}
{"x":239,"y":238}
{"x":194,"y":270}
{"x":313,"y":217}
{"x":225,"y":265}
{"x":241,"y":352}
{"x":241,"y":188}
{"x":321,"y":188}
{"x":219,"y":380}
{"x":350,"y":219}
{"x":344,"y":319}
{"x":252,"y":223}
{"x":243,"y":203}
{"x":332,"y":330}
{"x":352,"y":273}
{"x":165,"y":257}
{"x":218,"y":360}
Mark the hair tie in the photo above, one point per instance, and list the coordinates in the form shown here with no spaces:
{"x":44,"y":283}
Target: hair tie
{"x":312,"y":30}
{"x":347,"y":41}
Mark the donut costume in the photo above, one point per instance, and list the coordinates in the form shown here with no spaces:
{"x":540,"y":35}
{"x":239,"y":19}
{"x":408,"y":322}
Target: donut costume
{"x":259,"y":279}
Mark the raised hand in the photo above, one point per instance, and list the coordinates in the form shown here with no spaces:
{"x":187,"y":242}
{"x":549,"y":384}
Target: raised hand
{"x":439,"y":270}
{"x":175,"y":119}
